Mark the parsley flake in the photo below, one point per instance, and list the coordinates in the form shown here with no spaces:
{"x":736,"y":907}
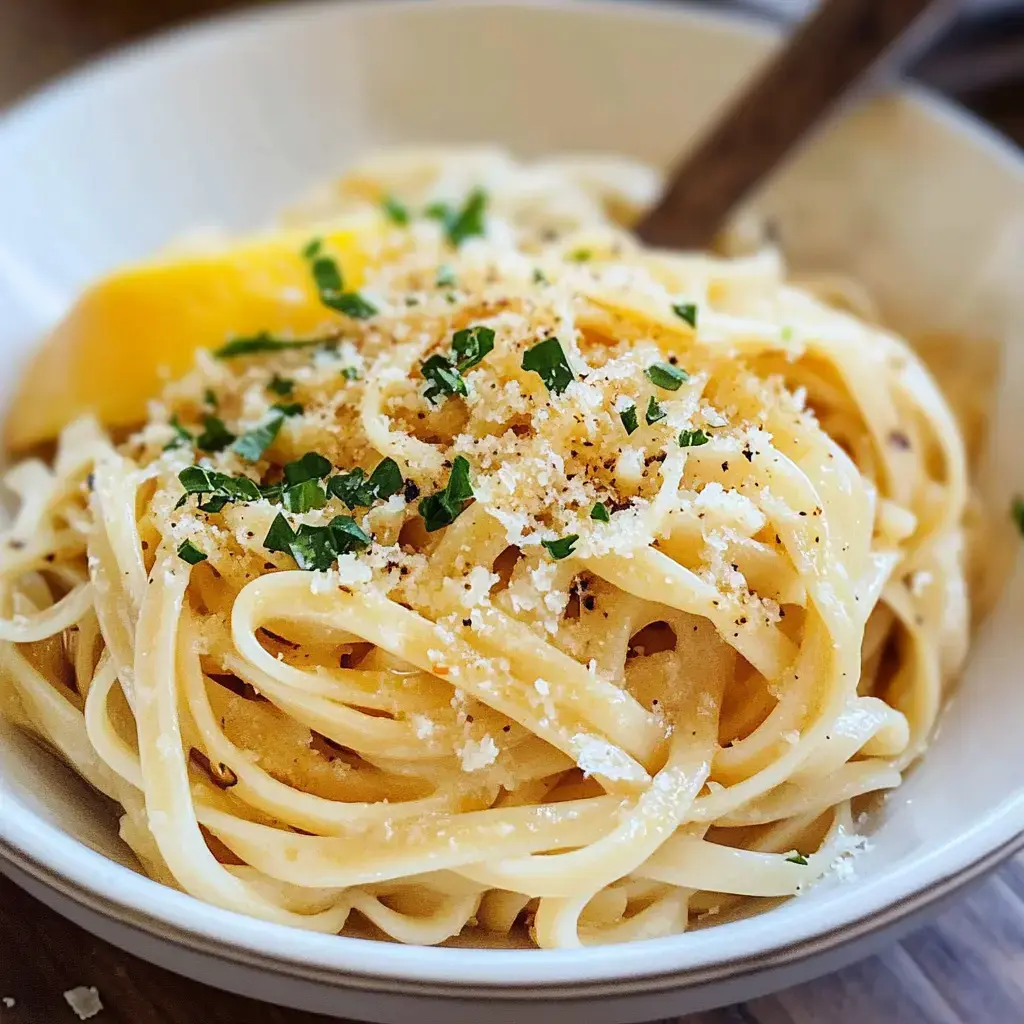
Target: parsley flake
{"x":600,"y":513}
{"x":693,"y":438}
{"x":280,"y":536}
{"x":210,"y":398}
{"x":356,"y":491}
{"x":562,"y":547}
{"x":667,"y":376}
{"x":304,"y":496}
{"x":252,"y":444}
{"x":215,"y":436}
{"x":351,"y":373}
{"x":199,"y":480}
{"x":444,"y":507}
{"x":396,"y":210}
{"x":312,"y":466}
{"x":190,"y":553}
{"x":1017,"y":511}
{"x":654,"y":411}
{"x":548,"y":361}
{"x":181,"y":435}
{"x":281,"y":386}
{"x":445,"y":277}
{"x":581,"y":255}
{"x":444,"y":378}
{"x":288,"y":408}
{"x":686,"y":311}
{"x":471,"y":345}
{"x":331,"y":285}
{"x":463,"y":223}
{"x":629,"y":420}
{"x":797,"y":858}
{"x":266,"y":342}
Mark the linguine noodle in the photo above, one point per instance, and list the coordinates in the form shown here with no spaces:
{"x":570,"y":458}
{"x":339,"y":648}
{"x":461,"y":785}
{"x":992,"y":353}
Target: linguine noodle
{"x":652,"y":569}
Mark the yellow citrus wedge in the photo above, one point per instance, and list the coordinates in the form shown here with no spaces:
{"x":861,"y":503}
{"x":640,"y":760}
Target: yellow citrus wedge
{"x":141,"y":326}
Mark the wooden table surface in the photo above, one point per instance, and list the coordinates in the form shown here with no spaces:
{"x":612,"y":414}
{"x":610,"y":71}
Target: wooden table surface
{"x":965,"y":967}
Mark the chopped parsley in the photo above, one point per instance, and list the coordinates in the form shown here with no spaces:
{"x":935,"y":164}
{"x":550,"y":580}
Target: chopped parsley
{"x":797,"y":858}
{"x":288,"y":408}
{"x":471,"y":345}
{"x":562,"y":547}
{"x":1017,"y":511}
{"x":198,"y":480}
{"x":265,"y":342}
{"x":215,"y":436}
{"x":581,"y":255}
{"x":316,"y":547}
{"x":444,"y":507}
{"x":190,"y":553}
{"x":548,"y":361}
{"x":331,"y":285}
{"x":693,"y":438}
{"x":356,"y":491}
{"x":181,"y":435}
{"x":654,"y":411}
{"x":629,"y":420}
{"x":304,"y":496}
{"x":667,"y":376}
{"x":396,"y":210}
{"x":210,"y":398}
{"x":463,"y":223}
{"x":351,"y":373}
{"x":281,"y":386}
{"x":252,"y":444}
{"x":445,"y":277}
{"x":686,"y":311}
{"x":600,"y":513}
{"x":538,"y":276}
{"x":312,"y":466}
{"x":444,"y":378}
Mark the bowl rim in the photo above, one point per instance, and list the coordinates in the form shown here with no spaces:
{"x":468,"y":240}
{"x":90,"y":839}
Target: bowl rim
{"x":117,"y":892}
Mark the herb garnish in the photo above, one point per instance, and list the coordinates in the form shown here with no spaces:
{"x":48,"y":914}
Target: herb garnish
{"x":693,"y":438}
{"x":1017,"y":511}
{"x":350,"y":373}
{"x":316,"y":547}
{"x":331,"y":285}
{"x":210,"y":398}
{"x":600,"y":513}
{"x":562,"y":547}
{"x":396,"y":210}
{"x":312,"y":466}
{"x":548,"y":361}
{"x":356,"y":491}
{"x":471,"y":345}
{"x":304,"y":496}
{"x":197,"y":480}
{"x":629,"y":420}
{"x":464,"y":223}
{"x":445,"y":276}
{"x":215,"y":436}
{"x":686,"y":311}
{"x":181,"y":435}
{"x":266,"y":342}
{"x":581,"y":255}
{"x":288,"y":408}
{"x":797,"y":858}
{"x":190,"y":553}
{"x":281,"y":386}
{"x":654,"y":411}
{"x":444,"y":507}
{"x":444,"y":378}
{"x":252,"y":444}
{"x":667,"y":376}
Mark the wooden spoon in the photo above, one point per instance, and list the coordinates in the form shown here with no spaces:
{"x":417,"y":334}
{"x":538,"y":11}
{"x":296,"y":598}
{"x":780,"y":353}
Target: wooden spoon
{"x":816,"y":68}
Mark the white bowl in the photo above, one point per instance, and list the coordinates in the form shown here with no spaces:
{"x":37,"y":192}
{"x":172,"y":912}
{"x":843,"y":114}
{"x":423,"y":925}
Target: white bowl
{"x":224,"y":122}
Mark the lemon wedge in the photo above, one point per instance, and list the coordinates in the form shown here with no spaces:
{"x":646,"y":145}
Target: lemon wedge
{"x":131,"y":332}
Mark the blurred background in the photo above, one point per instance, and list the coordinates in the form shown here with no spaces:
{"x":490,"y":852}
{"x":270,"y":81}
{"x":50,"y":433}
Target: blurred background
{"x":980,"y":60}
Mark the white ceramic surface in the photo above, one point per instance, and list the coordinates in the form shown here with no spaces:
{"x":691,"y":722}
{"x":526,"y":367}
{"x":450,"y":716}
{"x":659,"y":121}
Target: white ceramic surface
{"x":224,"y":122}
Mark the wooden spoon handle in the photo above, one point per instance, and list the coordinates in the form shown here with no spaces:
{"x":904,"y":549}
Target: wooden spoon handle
{"x":816,"y":67}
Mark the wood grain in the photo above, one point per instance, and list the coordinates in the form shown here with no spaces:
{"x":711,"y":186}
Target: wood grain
{"x":815,"y":69}
{"x":967,"y":967}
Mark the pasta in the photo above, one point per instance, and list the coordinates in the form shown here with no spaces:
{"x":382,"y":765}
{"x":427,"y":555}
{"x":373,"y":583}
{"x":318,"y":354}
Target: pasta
{"x":556,"y":591}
